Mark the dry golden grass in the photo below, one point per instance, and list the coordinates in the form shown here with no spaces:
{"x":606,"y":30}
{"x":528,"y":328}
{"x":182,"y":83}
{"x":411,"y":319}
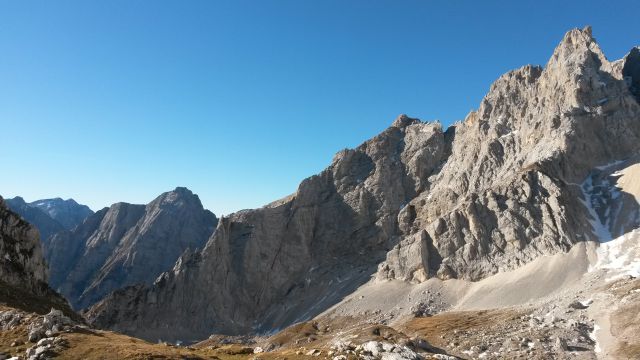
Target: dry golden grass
{"x":434,"y":327}
{"x":625,"y":321}
{"x":17,"y":298}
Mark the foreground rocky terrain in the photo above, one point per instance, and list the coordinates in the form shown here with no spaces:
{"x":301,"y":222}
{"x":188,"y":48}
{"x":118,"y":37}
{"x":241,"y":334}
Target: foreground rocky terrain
{"x":416,"y":204}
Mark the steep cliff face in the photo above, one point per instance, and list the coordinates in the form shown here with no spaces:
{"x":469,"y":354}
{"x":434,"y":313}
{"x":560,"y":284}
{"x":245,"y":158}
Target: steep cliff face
{"x":127,"y":244}
{"x":488,"y":194}
{"x":21,"y":262}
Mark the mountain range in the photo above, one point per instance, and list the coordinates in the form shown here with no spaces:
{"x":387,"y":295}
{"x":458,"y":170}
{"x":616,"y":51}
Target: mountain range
{"x":511,"y":234}
{"x":92,"y":254}
{"x":50,"y":216}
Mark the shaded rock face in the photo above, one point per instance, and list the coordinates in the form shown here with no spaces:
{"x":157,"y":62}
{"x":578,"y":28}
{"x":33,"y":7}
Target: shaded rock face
{"x":631,"y":71}
{"x":126,"y":244}
{"x":21,"y":261}
{"x":488,"y":194}
{"x":38,"y":218}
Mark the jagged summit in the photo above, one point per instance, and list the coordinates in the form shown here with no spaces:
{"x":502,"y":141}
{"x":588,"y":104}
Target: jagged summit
{"x":179,"y":194}
{"x":182,"y":189}
{"x":403,"y":121}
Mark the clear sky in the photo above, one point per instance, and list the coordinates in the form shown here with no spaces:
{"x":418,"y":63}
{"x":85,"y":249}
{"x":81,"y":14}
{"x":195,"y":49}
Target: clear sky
{"x":108,"y":101}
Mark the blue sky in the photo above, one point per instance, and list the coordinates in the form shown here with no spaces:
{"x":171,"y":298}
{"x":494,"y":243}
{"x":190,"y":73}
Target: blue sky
{"x":108,"y":101}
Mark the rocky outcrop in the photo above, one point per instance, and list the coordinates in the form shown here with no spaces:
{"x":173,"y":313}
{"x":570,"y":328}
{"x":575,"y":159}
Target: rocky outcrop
{"x":488,"y":194}
{"x":21,"y":261}
{"x":127,"y":244}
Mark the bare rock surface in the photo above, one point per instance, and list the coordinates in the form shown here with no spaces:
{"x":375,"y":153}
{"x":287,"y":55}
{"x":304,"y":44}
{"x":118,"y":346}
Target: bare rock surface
{"x":515,"y":181}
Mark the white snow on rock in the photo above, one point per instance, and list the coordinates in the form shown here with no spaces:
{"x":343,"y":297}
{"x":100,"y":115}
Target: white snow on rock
{"x":593,"y":335}
{"x":621,"y":256}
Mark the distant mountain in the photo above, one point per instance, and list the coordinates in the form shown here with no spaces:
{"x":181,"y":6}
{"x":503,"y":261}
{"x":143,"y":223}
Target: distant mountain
{"x":67,"y":212}
{"x":46,"y":225}
{"x":50,"y":216}
{"x":127,"y":244}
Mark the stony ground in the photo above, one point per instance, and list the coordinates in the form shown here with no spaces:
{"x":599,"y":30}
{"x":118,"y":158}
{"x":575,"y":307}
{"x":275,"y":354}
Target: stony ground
{"x":577,"y":309}
{"x":561,"y":326}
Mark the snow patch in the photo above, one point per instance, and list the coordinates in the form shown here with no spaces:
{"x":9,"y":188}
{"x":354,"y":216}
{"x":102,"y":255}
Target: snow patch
{"x":621,"y":256}
{"x":599,"y":229}
{"x":593,"y":335}
{"x":610,"y":165}
{"x":509,"y":134}
{"x":586,"y":302}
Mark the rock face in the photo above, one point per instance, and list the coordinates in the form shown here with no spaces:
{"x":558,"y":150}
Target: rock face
{"x":489,"y":194}
{"x":21,"y":261}
{"x":126,"y":244}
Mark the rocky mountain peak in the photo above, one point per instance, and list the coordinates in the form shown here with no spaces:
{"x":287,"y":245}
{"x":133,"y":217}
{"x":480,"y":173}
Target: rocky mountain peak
{"x":180,"y":196}
{"x":19,"y":200}
{"x":575,"y":42}
{"x":403,"y":121}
